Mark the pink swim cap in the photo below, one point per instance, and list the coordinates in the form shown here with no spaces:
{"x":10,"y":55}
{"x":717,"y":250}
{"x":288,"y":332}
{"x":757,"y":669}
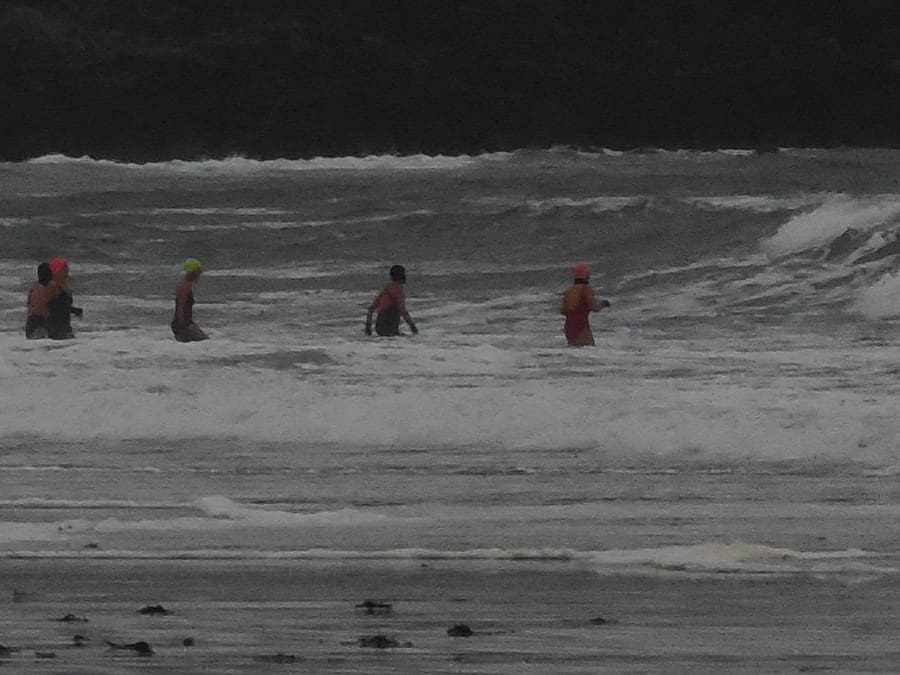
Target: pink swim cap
{"x":581,"y":271}
{"x":56,"y":264}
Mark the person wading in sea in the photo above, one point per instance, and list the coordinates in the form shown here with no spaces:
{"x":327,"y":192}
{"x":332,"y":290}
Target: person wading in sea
{"x":577,"y":304}
{"x":183,"y":327}
{"x":59,"y":302}
{"x":391,"y":306}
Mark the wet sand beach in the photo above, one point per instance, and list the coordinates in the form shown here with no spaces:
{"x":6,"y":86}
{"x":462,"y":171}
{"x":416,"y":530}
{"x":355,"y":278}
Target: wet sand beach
{"x":240,"y":617}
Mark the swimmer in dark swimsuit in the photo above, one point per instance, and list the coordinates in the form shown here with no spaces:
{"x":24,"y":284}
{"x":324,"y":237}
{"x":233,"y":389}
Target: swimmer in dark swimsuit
{"x":391,"y":306}
{"x":183,"y":326}
{"x":578,"y":302}
{"x":59,"y":302}
{"x":38,"y":307}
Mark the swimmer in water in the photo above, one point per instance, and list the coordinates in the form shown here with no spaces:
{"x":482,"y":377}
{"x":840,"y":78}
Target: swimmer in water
{"x":183,"y":327}
{"x":577,"y":304}
{"x":38,"y":307}
{"x":59,"y":302}
{"x":391,"y":306}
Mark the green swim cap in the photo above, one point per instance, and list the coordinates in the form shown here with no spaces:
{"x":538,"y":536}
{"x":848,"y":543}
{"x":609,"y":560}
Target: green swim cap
{"x":191,"y":265}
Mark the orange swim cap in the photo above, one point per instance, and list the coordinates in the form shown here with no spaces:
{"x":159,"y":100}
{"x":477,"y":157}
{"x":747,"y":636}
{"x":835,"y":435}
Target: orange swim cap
{"x":56,"y":264}
{"x":581,"y":271}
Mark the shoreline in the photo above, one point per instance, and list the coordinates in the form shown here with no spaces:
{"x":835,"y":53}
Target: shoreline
{"x":237,"y":617}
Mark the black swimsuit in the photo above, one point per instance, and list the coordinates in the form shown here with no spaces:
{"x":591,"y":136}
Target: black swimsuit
{"x":59,"y":323}
{"x":187,"y":331}
{"x":387,"y":323}
{"x":188,"y":313}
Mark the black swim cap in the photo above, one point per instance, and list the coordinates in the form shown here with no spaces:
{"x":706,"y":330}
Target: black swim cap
{"x":45,"y":274}
{"x":398,"y":273}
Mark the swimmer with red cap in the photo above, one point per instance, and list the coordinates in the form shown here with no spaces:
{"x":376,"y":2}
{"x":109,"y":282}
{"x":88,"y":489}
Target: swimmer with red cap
{"x":183,"y":327}
{"x":60,"y":302}
{"x":577,"y":304}
{"x":391,"y":306}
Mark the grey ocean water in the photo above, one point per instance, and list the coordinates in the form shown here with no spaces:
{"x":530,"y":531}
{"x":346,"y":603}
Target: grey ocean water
{"x":716,"y":480}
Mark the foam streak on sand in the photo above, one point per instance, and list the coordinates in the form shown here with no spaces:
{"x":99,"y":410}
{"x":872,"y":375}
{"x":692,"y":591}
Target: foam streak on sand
{"x":700,"y":559}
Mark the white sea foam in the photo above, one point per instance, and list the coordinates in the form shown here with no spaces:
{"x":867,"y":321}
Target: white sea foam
{"x":299,"y":271}
{"x":683,"y":153}
{"x":716,"y":558}
{"x":288,"y":224}
{"x":432,"y":396}
{"x":738,"y":152}
{"x":733,"y":557}
{"x":216,"y":514}
{"x":880,"y":300}
{"x":50,"y":503}
{"x":717,"y":264}
{"x":63,"y":468}
{"x":597,"y":204}
{"x":240,"y":166}
{"x":758,"y":203}
{"x":222,"y":508}
{"x":833,"y":217}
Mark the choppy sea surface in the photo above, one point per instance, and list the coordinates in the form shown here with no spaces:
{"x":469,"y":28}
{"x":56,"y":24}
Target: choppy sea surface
{"x":732,"y":437}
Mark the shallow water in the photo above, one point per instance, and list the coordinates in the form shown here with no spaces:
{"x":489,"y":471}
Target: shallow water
{"x":733,"y":436}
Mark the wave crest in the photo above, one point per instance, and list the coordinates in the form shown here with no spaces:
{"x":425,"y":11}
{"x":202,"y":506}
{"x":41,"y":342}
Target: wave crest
{"x":831,"y":219}
{"x":241,"y":166}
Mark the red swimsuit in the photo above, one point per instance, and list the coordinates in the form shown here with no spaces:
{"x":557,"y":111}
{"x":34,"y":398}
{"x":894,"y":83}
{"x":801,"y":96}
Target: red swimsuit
{"x":577,"y":304}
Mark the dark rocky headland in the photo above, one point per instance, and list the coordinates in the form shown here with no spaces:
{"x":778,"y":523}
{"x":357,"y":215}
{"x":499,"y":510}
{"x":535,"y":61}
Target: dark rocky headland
{"x":155,"y":79}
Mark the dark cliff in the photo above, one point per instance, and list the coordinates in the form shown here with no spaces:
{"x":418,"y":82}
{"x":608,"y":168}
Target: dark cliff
{"x":154,"y":79}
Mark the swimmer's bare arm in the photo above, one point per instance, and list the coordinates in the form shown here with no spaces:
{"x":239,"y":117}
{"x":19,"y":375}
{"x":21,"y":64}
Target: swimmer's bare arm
{"x":369,"y":314}
{"x":596,"y":305}
{"x":408,"y":319}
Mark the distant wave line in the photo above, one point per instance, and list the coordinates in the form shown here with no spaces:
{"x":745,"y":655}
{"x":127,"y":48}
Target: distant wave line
{"x":241,"y":164}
